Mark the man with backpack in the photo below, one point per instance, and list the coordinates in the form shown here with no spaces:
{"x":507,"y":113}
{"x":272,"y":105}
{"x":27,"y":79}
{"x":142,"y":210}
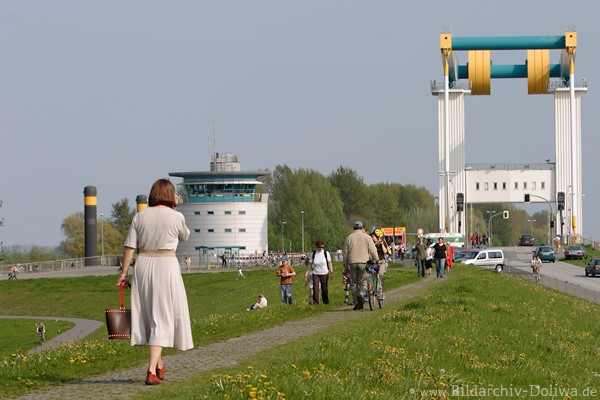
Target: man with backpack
{"x":321,"y":268}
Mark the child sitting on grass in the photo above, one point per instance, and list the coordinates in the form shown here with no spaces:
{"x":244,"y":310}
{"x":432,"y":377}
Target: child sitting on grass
{"x":261,"y":303}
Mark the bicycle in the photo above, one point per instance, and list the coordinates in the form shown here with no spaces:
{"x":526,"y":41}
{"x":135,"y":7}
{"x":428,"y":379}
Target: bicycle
{"x":375,"y":287}
{"x":41,"y":332}
{"x":41,"y":338}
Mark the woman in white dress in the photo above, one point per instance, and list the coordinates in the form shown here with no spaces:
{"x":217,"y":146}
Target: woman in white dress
{"x":159,"y":310}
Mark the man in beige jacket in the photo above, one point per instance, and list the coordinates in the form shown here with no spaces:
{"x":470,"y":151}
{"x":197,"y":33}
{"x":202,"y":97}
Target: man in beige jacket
{"x":358,"y":250}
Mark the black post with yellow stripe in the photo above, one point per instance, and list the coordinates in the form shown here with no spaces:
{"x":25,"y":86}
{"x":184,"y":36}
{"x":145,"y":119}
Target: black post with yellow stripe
{"x":90,"y":230}
{"x":141,"y":201}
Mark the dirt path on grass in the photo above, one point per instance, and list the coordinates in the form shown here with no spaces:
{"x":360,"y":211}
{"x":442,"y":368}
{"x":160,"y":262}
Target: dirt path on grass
{"x":82,"y":328}
{"x":185,"y":365}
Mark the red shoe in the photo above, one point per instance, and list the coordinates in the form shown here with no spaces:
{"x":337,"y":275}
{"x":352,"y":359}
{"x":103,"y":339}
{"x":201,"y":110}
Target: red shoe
{"x":152,"y":379}
{"x":160,"y":373}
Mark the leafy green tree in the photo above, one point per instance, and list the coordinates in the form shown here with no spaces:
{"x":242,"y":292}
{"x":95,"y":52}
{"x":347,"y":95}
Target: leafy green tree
{"x":111,"y":233}
{"x":352,"y":191}
{"x":304,"y":190}
{"x":384,"y":206}
{"x":421,"y":217}
{"x":113,"y":240}
{"x":121,"y":216}
{"x":74,"y":230}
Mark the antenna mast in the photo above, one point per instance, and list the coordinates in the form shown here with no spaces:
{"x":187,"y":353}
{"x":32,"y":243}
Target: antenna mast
{"x":212,"y":127}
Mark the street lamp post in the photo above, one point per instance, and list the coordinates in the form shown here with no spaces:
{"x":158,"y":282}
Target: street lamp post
{"x":490,"y":224}
{"x":102,"y":239}
{"x":302,"y":216}
{"x":551,"y":216}
{"x":282,"y":243}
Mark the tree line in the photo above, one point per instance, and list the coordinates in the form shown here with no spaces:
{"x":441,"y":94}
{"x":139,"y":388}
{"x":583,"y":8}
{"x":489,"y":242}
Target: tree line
{"x":326,"y":206}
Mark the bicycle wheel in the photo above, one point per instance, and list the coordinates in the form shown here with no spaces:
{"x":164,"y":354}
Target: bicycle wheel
{"x":380,"y":292}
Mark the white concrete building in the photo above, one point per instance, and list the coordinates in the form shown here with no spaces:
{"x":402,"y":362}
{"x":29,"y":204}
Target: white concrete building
{"x":223,"y":211}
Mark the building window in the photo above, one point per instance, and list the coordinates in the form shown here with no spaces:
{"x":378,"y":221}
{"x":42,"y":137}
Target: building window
{"x":477,"y":186}
{"x":242,"y":230}
{"x":543,"y":185}
{"x":211,"y":230}
{"x":197,"y":230}
{"x":503,"y":185}
{"x":516,"y":185}
{"x":524,"y":185}
{"x":196,"y":212}
{"x":227,"y":230}
{"x":495,"y":185}
{"x":485,"y":186}
{"x":242,"y":212}
{"x":210,"y":213}
{"x":227,"y":212}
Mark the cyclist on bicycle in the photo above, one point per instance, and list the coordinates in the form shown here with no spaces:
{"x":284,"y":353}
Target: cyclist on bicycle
{"x":41,"y":331}
{"x":358,"y":249}
{"x":536,"y":264}
{"x":383,"y":249}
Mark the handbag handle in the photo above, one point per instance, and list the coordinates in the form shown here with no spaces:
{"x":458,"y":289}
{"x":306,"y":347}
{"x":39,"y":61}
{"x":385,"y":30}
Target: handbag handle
{"x":121,"y":296}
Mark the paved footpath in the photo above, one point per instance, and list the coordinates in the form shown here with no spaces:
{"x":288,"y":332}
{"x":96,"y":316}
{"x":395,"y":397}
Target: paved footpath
{"x":186,"y":365}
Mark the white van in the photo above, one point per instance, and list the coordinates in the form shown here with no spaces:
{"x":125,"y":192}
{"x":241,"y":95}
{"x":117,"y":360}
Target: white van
{"x":490,"y":258}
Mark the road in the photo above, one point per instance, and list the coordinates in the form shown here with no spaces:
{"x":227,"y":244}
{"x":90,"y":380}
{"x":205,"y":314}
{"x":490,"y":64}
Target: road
{"x":560,"y":275}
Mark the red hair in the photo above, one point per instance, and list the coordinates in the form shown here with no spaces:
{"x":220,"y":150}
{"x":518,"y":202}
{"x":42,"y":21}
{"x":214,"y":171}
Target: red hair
{"x":162,"y":194}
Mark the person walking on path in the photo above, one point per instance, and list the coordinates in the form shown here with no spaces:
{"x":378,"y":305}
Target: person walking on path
{"x":240,"y":274}
{"x":224,"y":260}
{"x":420,"y":256}
{"x":321,"y":268}
{"x":358,"y":250}
{"x":159,"y":310}
{"x":449,"y":257}
{"x":285,"y":273}
{"x":440,"y":253}
{"x":429,"y":257}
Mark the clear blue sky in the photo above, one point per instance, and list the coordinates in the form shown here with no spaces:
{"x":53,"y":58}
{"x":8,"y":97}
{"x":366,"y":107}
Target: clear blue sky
{"x":116,"y":94}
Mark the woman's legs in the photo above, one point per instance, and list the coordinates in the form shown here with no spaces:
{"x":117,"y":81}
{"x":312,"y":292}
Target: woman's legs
{"x":155,"y":359}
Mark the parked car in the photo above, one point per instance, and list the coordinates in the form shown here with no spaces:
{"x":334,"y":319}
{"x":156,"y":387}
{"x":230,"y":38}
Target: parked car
{"x":459,"y":255}
{"x":593,"y":267}
{"x":526,"y":240}
{"x":545,"y":253}
{"x":491,"y":258}
{"x":575,"y":252}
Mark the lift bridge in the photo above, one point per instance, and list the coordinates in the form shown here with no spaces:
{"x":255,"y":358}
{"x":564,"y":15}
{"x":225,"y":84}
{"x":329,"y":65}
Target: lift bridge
{"x":559,"y":183}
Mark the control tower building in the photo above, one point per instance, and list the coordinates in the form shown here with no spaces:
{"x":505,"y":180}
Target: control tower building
{"x":224,"y":210}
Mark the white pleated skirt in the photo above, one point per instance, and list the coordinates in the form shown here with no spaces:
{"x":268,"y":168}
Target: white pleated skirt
{"x":159,"y":310}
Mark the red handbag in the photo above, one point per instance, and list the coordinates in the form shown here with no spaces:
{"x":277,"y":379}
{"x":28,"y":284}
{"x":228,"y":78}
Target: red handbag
{"x":118,"y":322}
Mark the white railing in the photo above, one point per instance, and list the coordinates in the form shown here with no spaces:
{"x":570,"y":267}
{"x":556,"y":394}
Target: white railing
{"x":64,"y":264}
